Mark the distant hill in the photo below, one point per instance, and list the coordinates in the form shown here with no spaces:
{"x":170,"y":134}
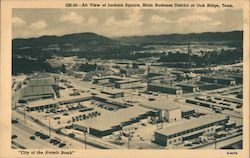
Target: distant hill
{"x":233,"y":36}
{"x":76,"y":39}
{"x":91,"y":45}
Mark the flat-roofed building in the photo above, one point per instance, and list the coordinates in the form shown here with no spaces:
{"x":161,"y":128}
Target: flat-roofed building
{"x":110,"y":122}
{"x":238,"y":77}
{"x":129,"y":83}
{"x":226,"y":81}
{"x":167,"y":111}
{"x":40,"y":82}
{"x":208,"y":79}
{"x":188,"y":130}
{"x":114,"y":93}
{"x":106,"y":79}
{"x":50,"y":103}
{"x":165,"y":88}
{"x":189,"y":87}
{"x":36,"y":93}
{"x":187,"y":112}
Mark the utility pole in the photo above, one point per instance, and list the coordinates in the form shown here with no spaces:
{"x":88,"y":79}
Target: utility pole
{"x":129,"y":138}
{"x":215,"y":141}
{"x":49,"y":128}
{"x":189,"y":54}
{"x":85,"y":140}
{"x":24,"y":116}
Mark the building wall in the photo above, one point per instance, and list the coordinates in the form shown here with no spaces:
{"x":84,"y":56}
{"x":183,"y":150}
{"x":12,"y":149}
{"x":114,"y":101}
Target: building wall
{"x":173,"y":115}
{"x":226,"y":81}
{"x":164,"y":89}
{"x":128,"y":85}
{"x":178,"y":138}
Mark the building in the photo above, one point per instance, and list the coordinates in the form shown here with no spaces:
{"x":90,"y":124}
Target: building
{"x":130,"y":83}
{"x":50,"y":103}
{"x":191,"y":129}
{"x":186,"y":113}
{"x":208,"y":79}
{"x":167,"y":111}
{"x":36,"y":93}
{"x":113,"y":93}
{"x":111,"y":122}
{"x":238,"y":77}
{"x":165,"y":88}
{"x":40,"y":82}
{"x":226,"y":81}
{"x":219,"y":80}
{"x":106,"y":79}
{"x":189,"y":87}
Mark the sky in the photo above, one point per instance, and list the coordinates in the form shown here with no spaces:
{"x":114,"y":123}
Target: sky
{"x":123,"y":22}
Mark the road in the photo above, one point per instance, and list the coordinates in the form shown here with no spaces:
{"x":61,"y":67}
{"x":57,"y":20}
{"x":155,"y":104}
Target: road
{"x":23,"y":138}
{"x":31,"y":125}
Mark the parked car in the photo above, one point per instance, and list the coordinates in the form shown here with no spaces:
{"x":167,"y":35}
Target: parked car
{"x":38,"y":134}
{"x":32,"y":138}
{"x":62,"y":145}
{"x":13,"y":136}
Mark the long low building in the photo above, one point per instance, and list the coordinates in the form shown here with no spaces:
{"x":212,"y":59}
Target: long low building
{"x":189,"y":130}
{"x":114,"y":93}
{"x":130,"y":83}
{"x":219,"y":80}
{"x":110,"y":122}
{"x":189,"y":87}
{"x":165,"y":88}
{"x":36,"y":93}
{"x":50,"y":103}
{"x":40,"y":82}
{"x":106,"y":79}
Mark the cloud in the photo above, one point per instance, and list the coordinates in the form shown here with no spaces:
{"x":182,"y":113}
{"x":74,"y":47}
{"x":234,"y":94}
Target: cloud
{"x":133,"y":18}
{"x":216,"y":23}
{"x":72,"y":17}
{"x":40,"y":24}
{"x":92,"y":20}
{"x":18,"y":21}
{"x":158,"y":19}
{"x":209,"y":11}
{"x":194,"y":19}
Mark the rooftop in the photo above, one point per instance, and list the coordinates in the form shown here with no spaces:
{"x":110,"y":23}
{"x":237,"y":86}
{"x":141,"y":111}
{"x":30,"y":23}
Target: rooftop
{"x":187,"y":125}
{"x":40,"y":82}
{"x":41,"y":90}
{"x":165,"y":86}
{"x":55,"y":101}
{"x":160,"y":105}
{"x":128,"y":80}
{"x":188,"y":85}
{"x":111,"y":91}
{"x":108,"y":77}
{"x":110,"y":119}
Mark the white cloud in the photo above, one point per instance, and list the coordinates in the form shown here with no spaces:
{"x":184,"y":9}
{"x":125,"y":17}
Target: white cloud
{"x":40,"y":24}
{"x":216,"y":23}
{"x":92,"y":20}
{"x":72,"y":17}
{"x":209,"y":11}
{"x":194,"y":19}
{"x":133,"y":18}
{"x":159,"y":19}
{"x":18,"y":21}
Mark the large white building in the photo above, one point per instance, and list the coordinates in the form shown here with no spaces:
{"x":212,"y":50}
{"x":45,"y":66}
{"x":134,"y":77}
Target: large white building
{"x":168,"y":111}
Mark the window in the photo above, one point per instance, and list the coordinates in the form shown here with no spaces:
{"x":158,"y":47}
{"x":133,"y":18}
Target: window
{"x":170,"y":142}
{"x":179,"y":139}
{"x":174,"y":140}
